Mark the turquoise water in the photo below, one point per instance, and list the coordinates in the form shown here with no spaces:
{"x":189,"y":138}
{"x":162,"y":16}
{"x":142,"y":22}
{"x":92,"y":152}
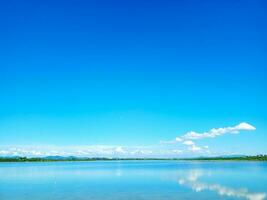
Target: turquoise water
{"x":138,"y":180}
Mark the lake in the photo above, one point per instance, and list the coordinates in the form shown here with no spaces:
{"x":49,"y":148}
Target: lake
{"x":133,"y":180}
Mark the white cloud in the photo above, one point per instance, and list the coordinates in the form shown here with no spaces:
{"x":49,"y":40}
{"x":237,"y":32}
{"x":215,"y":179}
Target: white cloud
{"x":192,"y":135}
{"x":110,"y":151}
{"x":219,"y":131}
{"x":3,"y":152}
{"x":188,"y":142}
{"x":245,"y":126}
{"x":195,"y":148}
{"x":120,"y":150}
{"x":187,"y":138}
{"x":177,"y":139}
{"x":89,"y":151}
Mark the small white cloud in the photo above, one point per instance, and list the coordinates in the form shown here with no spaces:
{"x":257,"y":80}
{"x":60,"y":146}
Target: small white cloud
{"x":195,"y":148}
{"x":4,"y":152}
{"x":192,"y":146}
{"x":188,"y":142}
{"x":120,"y":150}
{"x":245,"y":126}
{"x":178,"y":139}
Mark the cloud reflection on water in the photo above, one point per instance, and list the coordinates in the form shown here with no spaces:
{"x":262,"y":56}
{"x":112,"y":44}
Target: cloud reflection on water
{"x":192,"y":181}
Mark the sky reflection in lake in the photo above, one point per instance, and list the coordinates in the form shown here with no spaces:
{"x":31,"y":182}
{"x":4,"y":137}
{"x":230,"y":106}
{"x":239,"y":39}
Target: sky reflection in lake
{"x":141,"y":180}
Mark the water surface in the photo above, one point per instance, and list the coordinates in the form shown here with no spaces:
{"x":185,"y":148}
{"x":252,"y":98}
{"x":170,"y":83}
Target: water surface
{"x":133,"y":180}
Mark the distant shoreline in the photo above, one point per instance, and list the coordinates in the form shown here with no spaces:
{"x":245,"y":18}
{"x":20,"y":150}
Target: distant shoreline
{"x":73,"y":159}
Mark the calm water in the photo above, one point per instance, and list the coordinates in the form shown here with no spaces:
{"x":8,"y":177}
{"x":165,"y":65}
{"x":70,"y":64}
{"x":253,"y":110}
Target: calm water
{"x":140,"y":180}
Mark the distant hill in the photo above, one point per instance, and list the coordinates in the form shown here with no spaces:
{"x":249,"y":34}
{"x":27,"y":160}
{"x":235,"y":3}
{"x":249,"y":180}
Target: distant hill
{"x":232,"y":156}
{"x":60,"y":158}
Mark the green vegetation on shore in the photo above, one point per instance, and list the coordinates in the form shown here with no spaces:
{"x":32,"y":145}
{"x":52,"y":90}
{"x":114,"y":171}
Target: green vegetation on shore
{"x":239,"y":158}
{"x":72,"y":158}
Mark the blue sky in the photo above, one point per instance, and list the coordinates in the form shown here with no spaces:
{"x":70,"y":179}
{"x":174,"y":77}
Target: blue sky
{"x":122,"y":76}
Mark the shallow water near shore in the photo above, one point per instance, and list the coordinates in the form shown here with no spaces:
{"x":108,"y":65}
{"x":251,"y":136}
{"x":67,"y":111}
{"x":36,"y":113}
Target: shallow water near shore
{"x":136,"y":180}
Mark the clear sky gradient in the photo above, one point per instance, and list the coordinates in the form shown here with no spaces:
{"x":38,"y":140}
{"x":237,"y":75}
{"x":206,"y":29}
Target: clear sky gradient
{"x":129,"y":74}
